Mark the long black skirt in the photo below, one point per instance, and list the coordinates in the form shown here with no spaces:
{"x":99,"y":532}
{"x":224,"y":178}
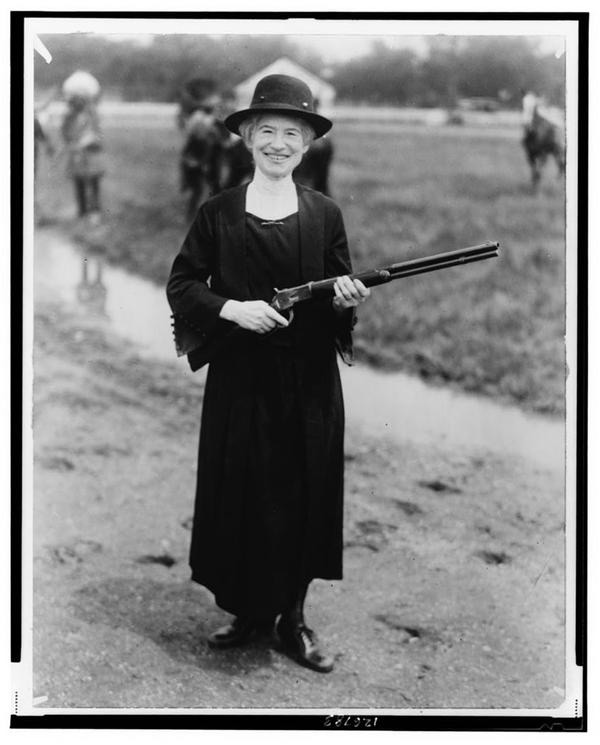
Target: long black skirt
{"x":269,"y":500}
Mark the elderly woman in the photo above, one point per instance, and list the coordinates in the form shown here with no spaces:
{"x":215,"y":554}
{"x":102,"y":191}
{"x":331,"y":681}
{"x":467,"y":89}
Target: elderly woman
{"x":269,"y":499}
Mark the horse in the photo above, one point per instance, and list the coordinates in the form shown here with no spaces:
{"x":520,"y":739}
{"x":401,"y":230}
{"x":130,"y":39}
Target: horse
{"x":541,"y":138}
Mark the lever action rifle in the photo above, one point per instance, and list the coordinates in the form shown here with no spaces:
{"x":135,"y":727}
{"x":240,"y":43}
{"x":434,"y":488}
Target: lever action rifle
{"x":200,"y":346}
{"x":284,"y":300}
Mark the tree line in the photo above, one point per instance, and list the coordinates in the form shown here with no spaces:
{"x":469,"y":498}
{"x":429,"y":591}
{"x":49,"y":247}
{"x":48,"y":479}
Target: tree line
{"x":492,"y":67}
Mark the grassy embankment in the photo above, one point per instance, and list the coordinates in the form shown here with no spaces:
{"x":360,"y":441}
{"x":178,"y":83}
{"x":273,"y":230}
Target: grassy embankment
{"x":495,"y":327}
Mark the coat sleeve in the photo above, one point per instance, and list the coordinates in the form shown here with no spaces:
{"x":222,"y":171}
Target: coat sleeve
{"x":338,"y":263}
{"x":188,"y":287}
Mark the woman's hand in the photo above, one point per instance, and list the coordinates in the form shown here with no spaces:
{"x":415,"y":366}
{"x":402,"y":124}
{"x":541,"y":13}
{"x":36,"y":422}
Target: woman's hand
{"x":252,"y":315}
{"x":349,"y":293}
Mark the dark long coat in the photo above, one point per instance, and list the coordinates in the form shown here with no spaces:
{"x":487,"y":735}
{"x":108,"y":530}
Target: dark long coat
{"x":210,"y":268}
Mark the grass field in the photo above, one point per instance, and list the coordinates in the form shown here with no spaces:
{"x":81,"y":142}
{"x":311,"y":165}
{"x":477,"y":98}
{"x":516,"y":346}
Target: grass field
{"x":495,"y":328}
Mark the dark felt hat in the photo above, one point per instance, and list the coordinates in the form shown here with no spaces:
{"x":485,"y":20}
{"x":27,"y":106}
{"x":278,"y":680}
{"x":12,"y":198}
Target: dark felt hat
{"x":284,"y":95}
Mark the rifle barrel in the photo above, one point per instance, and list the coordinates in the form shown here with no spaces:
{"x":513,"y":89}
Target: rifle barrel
{"x":441,"y":258}
{"x":373,"y":277}
{"x":425,"y":267}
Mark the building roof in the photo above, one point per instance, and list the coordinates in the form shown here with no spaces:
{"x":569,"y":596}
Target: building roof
{"x":285,"y":66}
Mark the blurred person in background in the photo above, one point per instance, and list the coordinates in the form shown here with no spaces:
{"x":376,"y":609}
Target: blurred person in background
{"x":41,"y":140}
{"x":40,"y":137}
{"x":200,"y":157}
{"x":269,"y":501}
{"x":40,"y":127}
{"x":83,"y":142}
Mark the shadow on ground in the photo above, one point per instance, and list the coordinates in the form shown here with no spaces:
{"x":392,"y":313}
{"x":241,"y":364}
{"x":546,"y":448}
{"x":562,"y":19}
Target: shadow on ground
{"x":177,"y":618}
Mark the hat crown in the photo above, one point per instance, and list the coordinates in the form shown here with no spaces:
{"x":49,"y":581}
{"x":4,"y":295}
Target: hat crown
{"x":285,"y":96}
{"x":283,"y":91}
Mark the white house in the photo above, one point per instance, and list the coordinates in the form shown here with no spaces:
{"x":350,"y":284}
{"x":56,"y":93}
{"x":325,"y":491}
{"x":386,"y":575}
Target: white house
{"x":321,"y":90}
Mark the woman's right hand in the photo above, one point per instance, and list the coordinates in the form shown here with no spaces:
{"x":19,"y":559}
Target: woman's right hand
{"x":253,"y":315}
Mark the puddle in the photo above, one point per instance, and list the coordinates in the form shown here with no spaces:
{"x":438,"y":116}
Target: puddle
{"x":136,"y":309}
{"x":399,"y":404}
{"x":393,"y":404}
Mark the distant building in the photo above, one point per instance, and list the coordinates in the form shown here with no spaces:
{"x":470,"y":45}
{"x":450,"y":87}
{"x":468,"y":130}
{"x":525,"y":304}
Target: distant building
{"x":321,"y":90}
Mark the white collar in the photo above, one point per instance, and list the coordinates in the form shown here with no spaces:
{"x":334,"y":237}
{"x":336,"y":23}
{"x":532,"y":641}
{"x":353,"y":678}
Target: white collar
{"x":270,"y":187}
{"x":271,"y":200}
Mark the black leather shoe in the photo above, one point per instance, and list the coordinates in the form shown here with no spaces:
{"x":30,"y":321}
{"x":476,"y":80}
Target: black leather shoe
{"x":238,"y":632}
{"x":301,"y":644}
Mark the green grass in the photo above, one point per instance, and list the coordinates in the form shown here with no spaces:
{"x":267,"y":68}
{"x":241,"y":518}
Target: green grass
{"x":495,"y":327}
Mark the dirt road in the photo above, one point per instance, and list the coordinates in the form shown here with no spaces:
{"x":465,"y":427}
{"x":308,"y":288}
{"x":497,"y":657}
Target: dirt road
{"x":454,"y":564}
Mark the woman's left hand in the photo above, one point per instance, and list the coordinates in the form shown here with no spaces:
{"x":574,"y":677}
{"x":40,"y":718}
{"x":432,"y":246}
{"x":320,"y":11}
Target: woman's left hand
{"x":349,"y":293}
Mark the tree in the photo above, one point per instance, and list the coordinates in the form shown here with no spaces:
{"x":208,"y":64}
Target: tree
{"x":454,"y":66}
{"x":381,"y":76}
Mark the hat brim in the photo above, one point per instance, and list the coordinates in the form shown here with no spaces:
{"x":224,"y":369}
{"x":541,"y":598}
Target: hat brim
{"x":319,"y":123}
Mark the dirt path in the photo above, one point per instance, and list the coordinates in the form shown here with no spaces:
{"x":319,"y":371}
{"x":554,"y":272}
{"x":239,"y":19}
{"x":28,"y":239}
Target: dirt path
{"x":453,"y":595}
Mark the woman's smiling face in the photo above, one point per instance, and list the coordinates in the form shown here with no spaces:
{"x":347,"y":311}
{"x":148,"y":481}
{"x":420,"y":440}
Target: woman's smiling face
{"x":277,"y":145}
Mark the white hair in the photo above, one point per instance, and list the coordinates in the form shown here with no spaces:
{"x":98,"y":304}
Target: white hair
{"x":248,"y":126}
